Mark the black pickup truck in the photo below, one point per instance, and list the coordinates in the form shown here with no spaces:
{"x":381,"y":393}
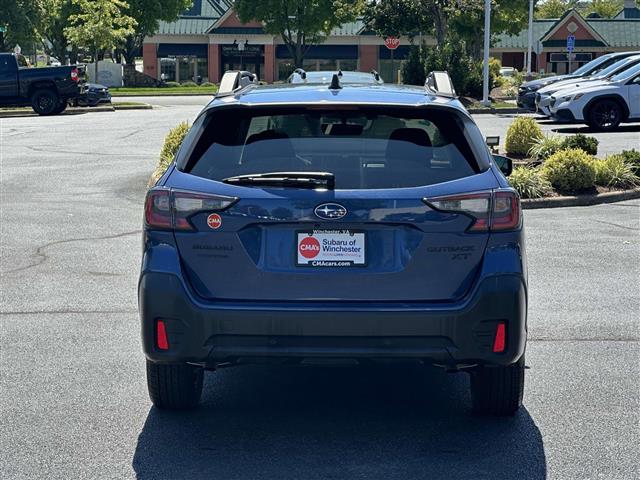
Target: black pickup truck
{"x":48,"y":90}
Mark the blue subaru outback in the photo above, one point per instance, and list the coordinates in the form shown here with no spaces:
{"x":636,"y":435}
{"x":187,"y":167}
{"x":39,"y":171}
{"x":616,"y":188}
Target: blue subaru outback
{"x":334,"y":223}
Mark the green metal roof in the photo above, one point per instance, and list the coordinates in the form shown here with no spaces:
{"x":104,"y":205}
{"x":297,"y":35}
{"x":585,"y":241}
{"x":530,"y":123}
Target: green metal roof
{"x":616,"y":32}
{"x":348,"y":29}
{"x":540,"y":27}
{"x":193,"y":22}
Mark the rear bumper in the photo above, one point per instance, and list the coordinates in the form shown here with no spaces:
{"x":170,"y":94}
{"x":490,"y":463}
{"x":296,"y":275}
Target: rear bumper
{"x":451,"y":334}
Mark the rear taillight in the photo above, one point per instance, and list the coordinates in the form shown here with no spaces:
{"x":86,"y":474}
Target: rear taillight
{"x":496,"y":211}
{"x":162,"y":341}
{"x":172,"y":209}
{"x":500,"y":338}
{"x":506,"y":210}
{"x":74,"y":75}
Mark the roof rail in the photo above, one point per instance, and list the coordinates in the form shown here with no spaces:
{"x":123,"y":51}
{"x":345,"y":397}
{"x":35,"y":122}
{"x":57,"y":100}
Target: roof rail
{"x":439,"y":83}
{"x":234,"y":81}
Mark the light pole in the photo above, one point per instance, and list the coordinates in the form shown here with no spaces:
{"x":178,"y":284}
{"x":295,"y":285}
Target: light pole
{"x":530,"y":40}
{"x":485,"y":69}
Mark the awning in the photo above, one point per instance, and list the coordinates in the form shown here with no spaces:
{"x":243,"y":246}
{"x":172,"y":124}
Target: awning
{"x":315,"y":52}
{"x":183,"y":49}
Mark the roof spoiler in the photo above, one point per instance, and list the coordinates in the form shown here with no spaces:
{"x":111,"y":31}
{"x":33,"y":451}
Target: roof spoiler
{"x":439,"y":83}
{"x":235,"y":80}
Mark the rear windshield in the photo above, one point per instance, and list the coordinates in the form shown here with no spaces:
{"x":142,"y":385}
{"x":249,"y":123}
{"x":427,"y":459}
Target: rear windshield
{"x":362,"y":148}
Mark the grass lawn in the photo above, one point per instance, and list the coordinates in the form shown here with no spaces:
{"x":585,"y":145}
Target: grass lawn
{"x":144,"y":91}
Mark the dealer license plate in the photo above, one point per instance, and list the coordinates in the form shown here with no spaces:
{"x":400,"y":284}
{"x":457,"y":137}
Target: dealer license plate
{"x":330,"y":248}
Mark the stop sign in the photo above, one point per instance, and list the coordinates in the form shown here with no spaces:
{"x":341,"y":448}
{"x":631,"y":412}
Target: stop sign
{"x":392,"y":42}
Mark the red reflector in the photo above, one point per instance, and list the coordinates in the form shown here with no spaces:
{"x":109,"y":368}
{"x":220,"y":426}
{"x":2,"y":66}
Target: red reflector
{"x":161,"y":336}
{"x":500,"y":340}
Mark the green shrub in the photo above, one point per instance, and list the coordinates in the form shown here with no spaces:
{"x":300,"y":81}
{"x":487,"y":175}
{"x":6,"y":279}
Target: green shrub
{"x":465,"y":72}
{"x":570,"y":170}
{"x":632,"y":157}
{"x":172,"y":143}
{"x":615,"y":172}
{"x":413,"y":69}
{"x":189,"y":84}
{"x":207,"y":84}
{"x":521,"y":136}
{"x":546,"y":146}
{"x":530,"y":182}
{"x":494,"y":72}
{"x":583,"y":142}
{"x":170,"y":84}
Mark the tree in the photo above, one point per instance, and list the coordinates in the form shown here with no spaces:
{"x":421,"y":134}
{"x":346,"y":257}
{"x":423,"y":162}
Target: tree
{"x":52,"y":27}
{"x":554,"y":8}
{"x":147,"y":14}
{"x":20,"y":18}
{"x":507,"y":16}
{"x":300,"y":23}
{"x":99,"y":26}
{"x":394,"y":18}
{"x":604,"y":8}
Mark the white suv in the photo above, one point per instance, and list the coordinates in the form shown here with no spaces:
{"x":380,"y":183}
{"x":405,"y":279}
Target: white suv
{"x":601,"y":105}
{"x":543,"y":96}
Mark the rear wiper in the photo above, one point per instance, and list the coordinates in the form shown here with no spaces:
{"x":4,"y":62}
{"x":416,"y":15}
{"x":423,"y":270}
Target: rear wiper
{"x":286,"y":179}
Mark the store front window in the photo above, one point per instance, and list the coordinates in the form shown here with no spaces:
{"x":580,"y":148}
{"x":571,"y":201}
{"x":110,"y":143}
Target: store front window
{"x":559,"y":62}
{"x":183,"y":62}
{"x":319,"y":58}
{"x":243,"y":57}
{"x":390,"y":68}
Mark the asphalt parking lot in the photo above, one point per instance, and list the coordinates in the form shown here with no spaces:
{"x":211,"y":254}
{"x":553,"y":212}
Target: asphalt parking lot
{"x":73,"y":400}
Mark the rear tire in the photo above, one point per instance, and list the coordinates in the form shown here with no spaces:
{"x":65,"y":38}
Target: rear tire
{"x":45,"y":102}
{"x":605,"y":115}
{"x":498,"y":390}
{"x":174,"y":386}
{"x":61,"y":107}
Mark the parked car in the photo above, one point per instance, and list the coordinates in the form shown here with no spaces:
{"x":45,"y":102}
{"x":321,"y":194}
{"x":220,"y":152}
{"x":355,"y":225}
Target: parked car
{"x":94,"y":95}
{"x":602,"y":105}
{"x":344,"y":224}
{"x":527,"y":91}
{"x":543,"y":96}
{"x":507,"y":71}
{"x":54,"y":62}
{"x":48,"y":90}
{"x":324,"y":77}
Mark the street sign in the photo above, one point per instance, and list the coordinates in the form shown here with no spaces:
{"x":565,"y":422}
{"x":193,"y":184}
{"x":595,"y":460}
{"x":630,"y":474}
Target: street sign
{"x":571,"y":43}
{"x":392,"y":42}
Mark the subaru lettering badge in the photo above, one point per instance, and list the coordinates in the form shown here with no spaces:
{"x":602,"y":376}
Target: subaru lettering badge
{"x":330,"y":211}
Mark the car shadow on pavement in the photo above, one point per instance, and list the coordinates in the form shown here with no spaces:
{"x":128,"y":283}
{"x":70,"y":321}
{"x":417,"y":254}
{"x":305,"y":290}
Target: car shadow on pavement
{"x":277,"y":422}
{"x":571,"y":129}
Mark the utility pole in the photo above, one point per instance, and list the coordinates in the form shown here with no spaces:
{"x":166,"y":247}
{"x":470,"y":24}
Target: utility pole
{"x":485,"y":69}
{"x":530,"y":45}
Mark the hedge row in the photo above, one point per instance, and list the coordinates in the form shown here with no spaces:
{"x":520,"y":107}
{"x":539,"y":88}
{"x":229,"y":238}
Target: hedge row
{"x":572,"y":170}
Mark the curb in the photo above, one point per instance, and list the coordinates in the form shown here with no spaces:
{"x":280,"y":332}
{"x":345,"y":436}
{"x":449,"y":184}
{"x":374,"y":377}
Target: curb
{"x":76,"y":110}
{"x":146,"y":106}
{"x":580,"y":201}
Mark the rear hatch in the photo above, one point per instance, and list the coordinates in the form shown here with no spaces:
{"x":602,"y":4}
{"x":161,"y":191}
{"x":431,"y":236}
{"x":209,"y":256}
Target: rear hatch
{"x":331,"y":205}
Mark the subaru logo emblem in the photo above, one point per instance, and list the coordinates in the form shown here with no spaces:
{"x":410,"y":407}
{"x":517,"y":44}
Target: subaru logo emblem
{"x":330,"y":211}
